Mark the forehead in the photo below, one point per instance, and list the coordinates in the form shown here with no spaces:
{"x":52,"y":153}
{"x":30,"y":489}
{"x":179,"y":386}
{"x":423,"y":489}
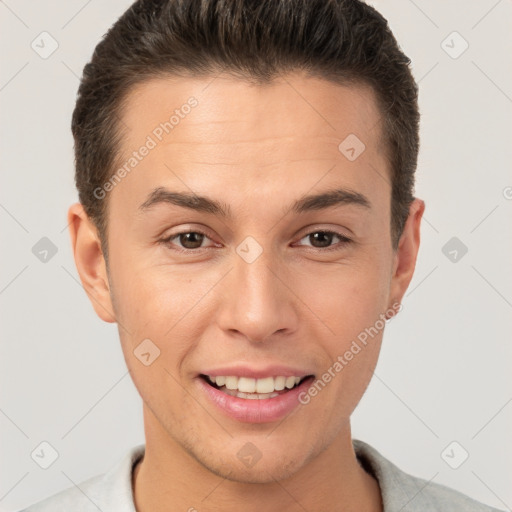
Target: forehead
{"x":229,"y":110}
{"x":220,"y":132}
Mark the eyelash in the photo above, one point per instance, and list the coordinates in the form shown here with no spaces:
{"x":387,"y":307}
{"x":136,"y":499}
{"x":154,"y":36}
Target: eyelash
{"x":344,"y":240}
{"x":167,"y":241}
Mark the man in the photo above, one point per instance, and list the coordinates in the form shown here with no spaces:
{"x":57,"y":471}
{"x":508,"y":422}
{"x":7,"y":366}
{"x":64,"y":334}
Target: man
{"x":245,"y":174}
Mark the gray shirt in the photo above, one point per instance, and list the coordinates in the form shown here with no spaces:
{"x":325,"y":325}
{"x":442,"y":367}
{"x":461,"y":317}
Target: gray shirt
{"x":401,"y":492}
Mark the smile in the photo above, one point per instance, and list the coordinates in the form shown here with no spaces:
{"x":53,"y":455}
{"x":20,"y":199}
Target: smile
{"x":254,"y":400}
{"x":254,"y":389}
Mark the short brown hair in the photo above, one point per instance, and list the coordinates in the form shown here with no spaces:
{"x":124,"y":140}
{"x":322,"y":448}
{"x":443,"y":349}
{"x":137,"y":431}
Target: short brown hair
{"x":343,"y":41}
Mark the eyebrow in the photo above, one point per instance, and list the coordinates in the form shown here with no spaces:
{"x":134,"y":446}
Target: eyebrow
{"x":321,"y":201}
{"x":330,"y":199}
{"x":185,"y":200}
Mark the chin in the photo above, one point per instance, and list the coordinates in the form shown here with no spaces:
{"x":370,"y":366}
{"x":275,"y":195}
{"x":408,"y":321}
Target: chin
{"x":239,"y":460}
{"x":261,"y":473}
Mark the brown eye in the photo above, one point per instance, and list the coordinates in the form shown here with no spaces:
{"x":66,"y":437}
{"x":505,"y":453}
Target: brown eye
{"x":191,"y":240}
{"x":321,"y":238}
{"x":324,"y":240}
{"x":185,"y":241}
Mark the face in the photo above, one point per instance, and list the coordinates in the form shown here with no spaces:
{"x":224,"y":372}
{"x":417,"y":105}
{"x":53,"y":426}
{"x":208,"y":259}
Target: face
{"x":246,"y":242}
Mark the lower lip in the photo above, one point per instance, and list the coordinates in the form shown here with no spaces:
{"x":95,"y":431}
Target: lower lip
{"x":256,"y":411}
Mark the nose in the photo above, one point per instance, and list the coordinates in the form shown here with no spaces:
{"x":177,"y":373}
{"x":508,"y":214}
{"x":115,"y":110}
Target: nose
{"x":257,"y":301}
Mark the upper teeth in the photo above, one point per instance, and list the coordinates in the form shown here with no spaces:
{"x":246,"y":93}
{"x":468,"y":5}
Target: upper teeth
{"x":248,"y":385}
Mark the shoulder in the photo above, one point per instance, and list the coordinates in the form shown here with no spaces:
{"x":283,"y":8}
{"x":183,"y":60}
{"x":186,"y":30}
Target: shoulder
{"x":81,"y":498}
{"x":110,"y":491}
{"x":402,"y":491}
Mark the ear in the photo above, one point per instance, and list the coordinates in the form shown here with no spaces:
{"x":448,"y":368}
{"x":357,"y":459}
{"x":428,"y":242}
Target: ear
{"x":404,"y":260}
{"x":90,"y":262}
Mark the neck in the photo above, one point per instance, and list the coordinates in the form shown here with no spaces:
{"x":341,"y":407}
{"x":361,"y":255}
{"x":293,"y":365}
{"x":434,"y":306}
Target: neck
{"x":169,"y":477}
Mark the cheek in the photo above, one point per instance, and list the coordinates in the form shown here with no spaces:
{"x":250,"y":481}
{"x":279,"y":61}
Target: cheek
{"x":166,"y":306}
{"x":154,"y":297}
{"x":159,"y":313}
{"x":349,"y":301}
{"x":346,"y":298}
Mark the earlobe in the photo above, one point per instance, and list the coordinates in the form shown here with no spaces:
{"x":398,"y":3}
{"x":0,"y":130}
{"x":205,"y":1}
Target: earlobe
{"x":90,"y":262}
{"x":406,"y":254}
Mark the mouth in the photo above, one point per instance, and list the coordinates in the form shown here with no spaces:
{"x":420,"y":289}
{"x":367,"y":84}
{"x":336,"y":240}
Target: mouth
{"x":255,"y":389}
{"x":254,"y":395}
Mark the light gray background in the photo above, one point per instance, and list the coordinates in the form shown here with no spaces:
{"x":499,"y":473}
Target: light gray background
{"x":444,"y":373}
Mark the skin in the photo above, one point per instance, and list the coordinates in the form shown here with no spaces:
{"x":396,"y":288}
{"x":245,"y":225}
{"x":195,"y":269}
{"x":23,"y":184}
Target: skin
{"x":256,"y":149}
